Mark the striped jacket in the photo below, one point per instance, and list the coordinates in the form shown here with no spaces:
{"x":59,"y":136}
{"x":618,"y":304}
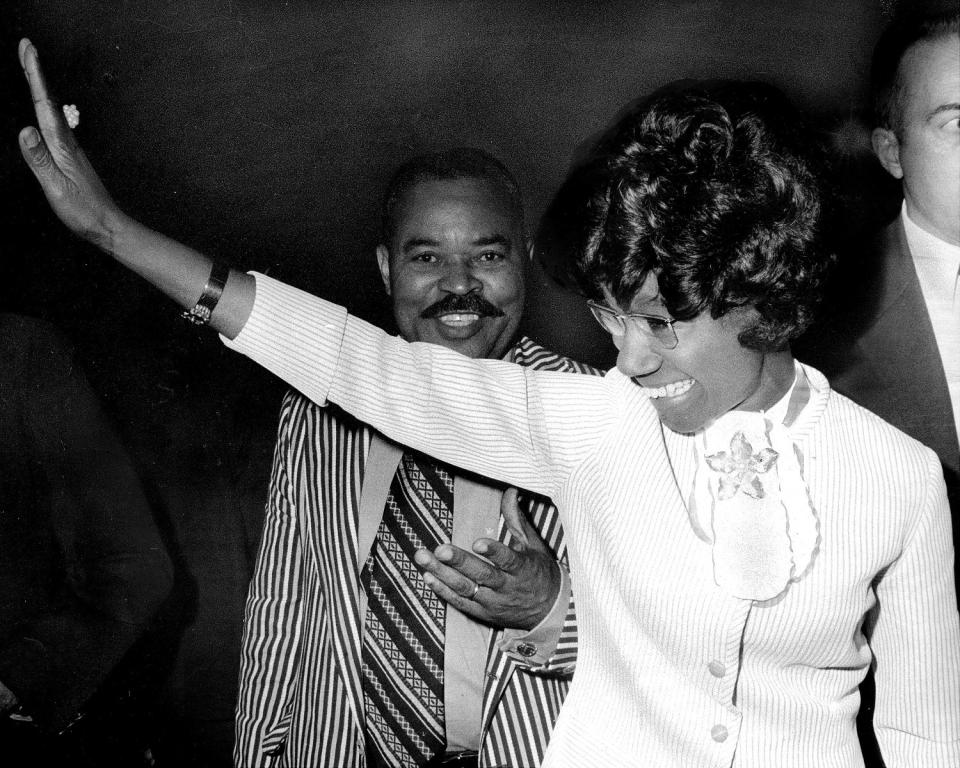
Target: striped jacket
{"x":300,"y":701}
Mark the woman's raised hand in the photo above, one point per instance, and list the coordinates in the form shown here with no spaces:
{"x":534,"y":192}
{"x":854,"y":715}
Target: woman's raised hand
{"x":71,"y":185}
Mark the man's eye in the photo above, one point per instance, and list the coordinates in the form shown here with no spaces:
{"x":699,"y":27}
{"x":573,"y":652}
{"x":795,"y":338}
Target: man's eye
{"x":488,"y":256}
{"x":656,"y":323}
{"x":424,"y":258}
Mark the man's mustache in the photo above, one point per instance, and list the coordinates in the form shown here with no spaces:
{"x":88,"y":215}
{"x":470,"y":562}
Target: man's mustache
{"x":471,"y":303}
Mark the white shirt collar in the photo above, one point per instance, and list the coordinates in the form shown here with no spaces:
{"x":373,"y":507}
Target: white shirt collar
{"x":937,"y":261}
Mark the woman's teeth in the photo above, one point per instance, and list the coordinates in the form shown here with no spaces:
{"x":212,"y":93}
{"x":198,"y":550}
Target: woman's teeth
{"x":673,"y":389}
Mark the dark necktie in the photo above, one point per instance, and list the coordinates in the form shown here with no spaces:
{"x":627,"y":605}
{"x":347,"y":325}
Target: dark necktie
{"x":403,"y":639}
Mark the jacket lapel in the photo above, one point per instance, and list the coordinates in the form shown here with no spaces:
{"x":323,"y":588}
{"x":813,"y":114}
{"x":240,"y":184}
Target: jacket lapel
{"x":382,"y":460}
{"x":382,"y":463}
{"x":354,"y":461}
{"x":910,"y":387}
{"x":500,"y":666}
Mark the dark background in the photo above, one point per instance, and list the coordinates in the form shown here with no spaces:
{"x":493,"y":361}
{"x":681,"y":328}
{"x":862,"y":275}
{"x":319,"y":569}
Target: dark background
{"x":263,"y":133}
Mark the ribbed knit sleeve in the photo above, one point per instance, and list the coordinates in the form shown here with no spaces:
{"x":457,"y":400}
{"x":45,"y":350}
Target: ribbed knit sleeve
{"x":294,"y":335}
{"x":494,"y":418}
{"x":917,"y":716}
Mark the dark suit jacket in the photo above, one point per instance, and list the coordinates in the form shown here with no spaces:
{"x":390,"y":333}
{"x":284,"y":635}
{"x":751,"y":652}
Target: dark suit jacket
{"x":876,"y":345}
{"x":82,"y":567}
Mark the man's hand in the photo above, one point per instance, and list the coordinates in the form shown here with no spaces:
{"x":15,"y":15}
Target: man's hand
{"x":514,"y":587}
{"x":69,"y":182}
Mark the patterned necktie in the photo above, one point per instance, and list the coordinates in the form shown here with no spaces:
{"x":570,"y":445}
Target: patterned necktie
{"x":403,"y":640}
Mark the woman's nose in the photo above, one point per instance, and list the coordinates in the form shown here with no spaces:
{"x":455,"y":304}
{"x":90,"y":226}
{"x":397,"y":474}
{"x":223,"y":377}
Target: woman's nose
{"x":637,"y":354}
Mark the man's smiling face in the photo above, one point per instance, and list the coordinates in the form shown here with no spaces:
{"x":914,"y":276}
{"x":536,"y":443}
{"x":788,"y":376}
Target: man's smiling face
{"x":455,"y":266}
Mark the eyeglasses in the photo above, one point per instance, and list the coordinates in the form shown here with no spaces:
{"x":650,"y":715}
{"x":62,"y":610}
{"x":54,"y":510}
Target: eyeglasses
{"x":615,"y":323}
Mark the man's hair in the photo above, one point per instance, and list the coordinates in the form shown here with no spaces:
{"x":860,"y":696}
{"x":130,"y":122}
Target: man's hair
{"x":711,"y":188}
{"x":906,"y":30}
{"x":446,"y":165}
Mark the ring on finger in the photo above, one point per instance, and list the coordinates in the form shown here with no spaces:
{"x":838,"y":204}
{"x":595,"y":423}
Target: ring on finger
{"x":476,"y":588}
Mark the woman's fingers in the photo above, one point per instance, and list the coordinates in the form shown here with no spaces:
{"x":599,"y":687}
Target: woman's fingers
{"x":53,"y":126}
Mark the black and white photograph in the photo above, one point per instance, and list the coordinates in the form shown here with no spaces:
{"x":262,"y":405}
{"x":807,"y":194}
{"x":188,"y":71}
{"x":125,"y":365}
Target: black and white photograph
{"x":480,"y":384}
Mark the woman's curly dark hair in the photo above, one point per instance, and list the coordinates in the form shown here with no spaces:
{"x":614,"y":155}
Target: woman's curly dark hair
{"x":711,"y":188}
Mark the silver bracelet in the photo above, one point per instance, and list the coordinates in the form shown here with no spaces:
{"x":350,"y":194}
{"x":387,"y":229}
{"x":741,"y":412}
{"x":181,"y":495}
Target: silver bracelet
{"x":212,"y":291}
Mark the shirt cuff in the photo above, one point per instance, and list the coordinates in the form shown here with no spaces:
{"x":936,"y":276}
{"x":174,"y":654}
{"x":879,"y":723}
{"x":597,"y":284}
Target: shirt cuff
{"x":536,"y":646}
{"x":293,"y":334}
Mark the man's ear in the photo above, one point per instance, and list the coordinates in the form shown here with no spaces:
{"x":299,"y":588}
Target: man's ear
{"x":528,"y":244}
{"x":383,"y":259}
{"x":886,"y":146}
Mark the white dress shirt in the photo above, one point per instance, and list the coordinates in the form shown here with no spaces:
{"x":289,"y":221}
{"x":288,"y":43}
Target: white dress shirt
{"x":938,"y":268}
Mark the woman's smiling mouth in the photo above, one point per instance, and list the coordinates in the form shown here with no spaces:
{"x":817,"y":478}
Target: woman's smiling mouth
{"x":673,"y":389}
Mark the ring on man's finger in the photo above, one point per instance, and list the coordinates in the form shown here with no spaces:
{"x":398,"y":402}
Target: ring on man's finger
{"x":476,"y":588}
